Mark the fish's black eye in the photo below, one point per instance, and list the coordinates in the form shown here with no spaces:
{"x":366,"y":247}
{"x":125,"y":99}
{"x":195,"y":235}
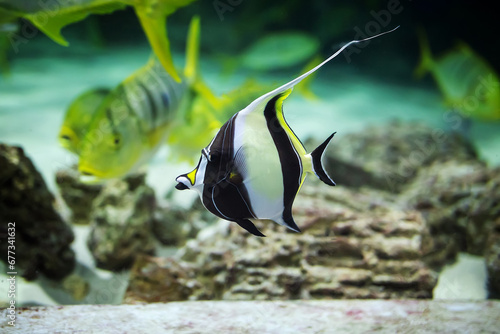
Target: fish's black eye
{"x":116,"y":140}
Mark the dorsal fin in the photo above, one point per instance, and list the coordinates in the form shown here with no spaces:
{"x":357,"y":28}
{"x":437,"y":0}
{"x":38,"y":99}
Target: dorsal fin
{"x":266,"y":97}
{"x":192,"y":49}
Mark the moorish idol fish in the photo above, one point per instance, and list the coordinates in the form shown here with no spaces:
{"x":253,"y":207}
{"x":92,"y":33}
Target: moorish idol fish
{"x":135,"y":118}
{"x":255,"y":165}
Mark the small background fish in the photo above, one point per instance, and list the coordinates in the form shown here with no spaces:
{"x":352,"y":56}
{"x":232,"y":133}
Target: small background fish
{"x":468,"y":83}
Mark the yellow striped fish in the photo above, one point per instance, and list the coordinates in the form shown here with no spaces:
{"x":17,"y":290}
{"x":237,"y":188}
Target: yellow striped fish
{"x":78,"y":117}
{"x":468,"y":83}
{"x":135,"y":119}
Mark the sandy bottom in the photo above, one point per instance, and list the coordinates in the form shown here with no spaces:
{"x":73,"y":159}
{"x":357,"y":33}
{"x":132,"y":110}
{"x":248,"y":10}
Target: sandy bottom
{"x":34,"y":98}
{"x":266,"y":317}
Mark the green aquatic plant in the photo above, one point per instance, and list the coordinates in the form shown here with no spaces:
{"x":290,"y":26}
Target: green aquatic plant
{"x":51,"y":18}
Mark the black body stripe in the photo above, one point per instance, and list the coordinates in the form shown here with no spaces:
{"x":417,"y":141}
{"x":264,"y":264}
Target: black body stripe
{"x":152,"y":105}
{"x":165,"y":100}
{"x":291,"y":165}
{"x":109,"y":114}
{"x":222,"y":196}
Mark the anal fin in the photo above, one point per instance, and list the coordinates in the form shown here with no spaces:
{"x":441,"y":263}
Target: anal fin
{"x":250,"y":227}
{"x":290,"y":223}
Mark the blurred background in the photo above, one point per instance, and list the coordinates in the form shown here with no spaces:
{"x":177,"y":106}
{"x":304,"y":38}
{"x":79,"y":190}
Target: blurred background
{"x":368,"y":85}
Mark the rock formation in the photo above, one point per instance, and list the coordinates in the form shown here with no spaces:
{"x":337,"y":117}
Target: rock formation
{"x":78,"y":196}
{"x":40,"y":237}
{"x":408,"y":199}
{"x":121,"y":221}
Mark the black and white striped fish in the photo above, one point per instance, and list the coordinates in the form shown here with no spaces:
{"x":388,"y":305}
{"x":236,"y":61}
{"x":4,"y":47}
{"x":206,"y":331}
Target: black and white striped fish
{"x":255,"y":165}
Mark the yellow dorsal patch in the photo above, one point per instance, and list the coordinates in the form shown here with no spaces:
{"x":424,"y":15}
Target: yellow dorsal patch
{"x":304,"y":157}
{"x":192,"y":176}
{"x":279,"y":114}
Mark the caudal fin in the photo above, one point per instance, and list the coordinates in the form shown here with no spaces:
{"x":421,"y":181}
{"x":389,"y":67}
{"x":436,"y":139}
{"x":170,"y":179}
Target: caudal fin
{"x":426,"y":61}
{"x":317,"y":163}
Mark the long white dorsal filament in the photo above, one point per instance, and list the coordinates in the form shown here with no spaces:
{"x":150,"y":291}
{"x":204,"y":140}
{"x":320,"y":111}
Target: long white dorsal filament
{"x":303,"y":76}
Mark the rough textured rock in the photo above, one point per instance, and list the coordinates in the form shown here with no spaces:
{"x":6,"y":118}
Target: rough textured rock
{"x":460,"y":202}
{"x":351,"y":247}
{"x":42,"y":238}
{"x":78,"y":196}
{"x":76,"y":286}
{"x":414,"y":198}
{"x":121,"y":221}
{"x":173,"y":225}
{"x":434,"y":172}
{"x":154,"y":279}
{"x":493,"y":261}
{"x":387,"y":157}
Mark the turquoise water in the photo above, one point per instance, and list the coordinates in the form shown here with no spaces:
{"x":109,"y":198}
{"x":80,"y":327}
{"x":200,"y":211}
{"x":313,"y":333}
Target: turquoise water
{"x":39,"y":89}
{"x":34,"y":97}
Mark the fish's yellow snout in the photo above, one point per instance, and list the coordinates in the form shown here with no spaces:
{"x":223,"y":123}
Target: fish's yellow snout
{"x":186,"y":181}
{"x":89,"y":174}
